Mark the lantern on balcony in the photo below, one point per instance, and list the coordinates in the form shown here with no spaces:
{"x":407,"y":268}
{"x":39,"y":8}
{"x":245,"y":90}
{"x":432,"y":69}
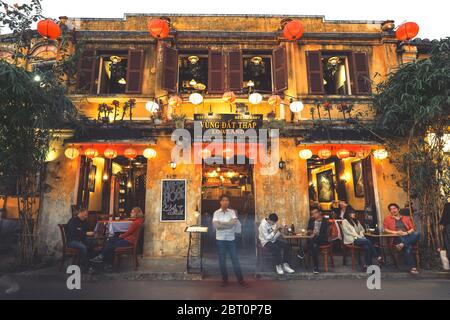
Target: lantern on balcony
{"x":149,"y":153}
{"x":110,"y":153}
{"x":255,"y":98}
{"x":380,"y":154}
{"x":229,"y":97}
{"x":296,"y":106}
{"x":152,"y":106}
{"x":274,"y":100}
{"x":407,"y":31}
{"x":324,"y":153}
{"x":130,"y":153}
{"x":71,"y":153}
{"x":343,"y":153}
{"x":175,"y":101}
{"x":305,"y":154}
{"x":195,"y":98}
{"x":48,"y":29}
{"x":91,"y":153}
{"x":293,"y":30}
{"x":158,"y":28}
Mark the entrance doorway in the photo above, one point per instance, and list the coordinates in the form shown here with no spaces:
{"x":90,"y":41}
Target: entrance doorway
{"x":235,"y":181}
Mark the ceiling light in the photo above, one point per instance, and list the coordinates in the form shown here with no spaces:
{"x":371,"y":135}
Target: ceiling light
{"x":334,"y":61}
{"x":193,"y":59}
{"x":250,"y":84}
{"x":256,"y":60}
{"x":122,"y":81}
{"x":193,"y":83}
{"x":37,"y":78}
{"x":115,"y":59}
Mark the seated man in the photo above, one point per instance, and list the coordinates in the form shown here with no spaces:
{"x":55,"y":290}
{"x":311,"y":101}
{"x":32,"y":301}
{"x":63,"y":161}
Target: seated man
{"x":76,"y":235}
{"x":271,"y":238}
{"x":402,"y":226}
{"x":318,"y":228}
{"x":127,"y":239}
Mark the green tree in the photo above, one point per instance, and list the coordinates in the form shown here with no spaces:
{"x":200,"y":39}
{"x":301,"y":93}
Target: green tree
{"x":413,"y":109}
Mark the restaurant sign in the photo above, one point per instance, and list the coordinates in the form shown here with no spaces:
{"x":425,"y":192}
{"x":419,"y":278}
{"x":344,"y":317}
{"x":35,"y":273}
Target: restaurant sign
{"x":229,"y":123}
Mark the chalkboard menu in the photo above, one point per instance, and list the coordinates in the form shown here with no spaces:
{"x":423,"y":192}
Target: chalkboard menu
{"x":173,"y":200}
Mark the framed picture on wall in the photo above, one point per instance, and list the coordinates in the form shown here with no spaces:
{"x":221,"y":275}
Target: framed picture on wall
{"x":91,"y":180}
{"x":358,"y":180}
{"x":325,"y":186}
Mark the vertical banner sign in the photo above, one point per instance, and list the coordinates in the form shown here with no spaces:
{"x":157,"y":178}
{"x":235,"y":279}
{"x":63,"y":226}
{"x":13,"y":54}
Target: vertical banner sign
{"x":173,"y":200}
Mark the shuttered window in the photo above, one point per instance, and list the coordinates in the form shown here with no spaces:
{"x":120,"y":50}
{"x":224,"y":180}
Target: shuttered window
{"x":315,"y":73}
{"x":279,"y":65}
{"x":170,"y":69}
{"x":361,"y":73}
{"x":215,"y":72}
{"x":235,"y":71}
{"x":86,"y":71}
{"x":135,"y":70}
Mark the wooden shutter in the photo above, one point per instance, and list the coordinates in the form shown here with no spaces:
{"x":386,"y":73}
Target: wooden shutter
{"x":86,"y":71}
{"x":215,"y":72}
{"x":135,"y":71}
{"x":315,"y":72}
{"x":235,"y":71}
{"x":170,"y":69}
{"x":279,"y":69}
{"x":361,"y":73}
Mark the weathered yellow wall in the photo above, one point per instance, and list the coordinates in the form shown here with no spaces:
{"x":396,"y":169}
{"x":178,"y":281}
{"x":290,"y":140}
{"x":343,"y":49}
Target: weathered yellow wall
{"x":355,"y":202}
{"x":95,"y":198}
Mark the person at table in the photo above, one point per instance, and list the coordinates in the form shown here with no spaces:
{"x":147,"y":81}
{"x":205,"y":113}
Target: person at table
{"x":77,"y":236}
{"x":224,"y":221}
{"x":317,"y":228}
{"x":342,"y":208}
{"x":402,"y":227}
{"x":126,"y":239}
{"x":354,"y":235}
{"x":271,"y":238}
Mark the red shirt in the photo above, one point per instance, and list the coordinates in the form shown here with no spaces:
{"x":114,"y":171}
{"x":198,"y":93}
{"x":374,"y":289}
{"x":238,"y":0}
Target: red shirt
{"x":389,"y":223}
{"x":131,"y":234}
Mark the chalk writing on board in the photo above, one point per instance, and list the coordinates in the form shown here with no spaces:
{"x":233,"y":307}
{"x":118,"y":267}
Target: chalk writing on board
{"x":173,"y":200}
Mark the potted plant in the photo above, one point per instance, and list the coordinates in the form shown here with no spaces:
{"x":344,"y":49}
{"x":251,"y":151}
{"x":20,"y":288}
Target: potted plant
{"x":103,"y":112}
{"x":179,"y":120}
{"x":271,"y":115}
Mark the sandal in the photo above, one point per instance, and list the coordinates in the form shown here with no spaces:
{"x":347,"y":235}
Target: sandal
{"x":414,"y":271}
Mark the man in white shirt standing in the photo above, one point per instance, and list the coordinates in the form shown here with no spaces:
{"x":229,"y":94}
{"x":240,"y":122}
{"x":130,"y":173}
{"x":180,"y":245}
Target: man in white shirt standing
{"x":271,"y":238}
{"x":224,"y":221}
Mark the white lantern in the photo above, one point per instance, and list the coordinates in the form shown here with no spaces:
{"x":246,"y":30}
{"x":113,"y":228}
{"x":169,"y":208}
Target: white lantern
{"x":296,"y":106}
{"x":305,"y":154}
{"x":195,"y":98}
{"x":255,"y":98}
{"x":380,"y":154}
{"x":72,"y":153}
{"x":149,"y":153}
{"x":152,"y":106}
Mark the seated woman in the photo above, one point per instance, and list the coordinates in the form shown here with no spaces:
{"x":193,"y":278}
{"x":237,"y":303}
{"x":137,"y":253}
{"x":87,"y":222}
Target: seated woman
{"x":354,"y":234}
{"x":127,"y":239}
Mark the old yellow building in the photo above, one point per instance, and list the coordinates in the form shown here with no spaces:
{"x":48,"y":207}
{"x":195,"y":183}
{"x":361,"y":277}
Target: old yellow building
{"x":323,"y":81}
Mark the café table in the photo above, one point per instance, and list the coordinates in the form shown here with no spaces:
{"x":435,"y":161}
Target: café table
{"x":298,"y":238}
{"x":113,"y":226}
{"x":385,"y":241}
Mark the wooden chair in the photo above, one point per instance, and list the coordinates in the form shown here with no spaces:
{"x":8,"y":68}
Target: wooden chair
{"x":396,"y":255}
{"x":262,"y":254}
{"x":327,"y":252}
{"x":354,"y":250}
{"x":132,"y":251}
{"x":66,"y":251}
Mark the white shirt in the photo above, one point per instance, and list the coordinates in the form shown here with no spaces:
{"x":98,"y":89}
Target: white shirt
{"x":267,"y":232}
{"x":225,"y":216}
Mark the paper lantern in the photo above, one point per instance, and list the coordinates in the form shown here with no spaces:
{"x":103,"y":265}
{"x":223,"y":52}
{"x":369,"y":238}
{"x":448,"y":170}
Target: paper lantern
{"x":305,"y":154}
{"x":380,"y":154}
{"x":296,"y":106}
{"x":149,"y":153}
{"x":343,"y":154}
{"x":152,"y":106}
{"x":175,"y":101}
{"x":362,"y":154}
{"x":274,"y":101}
{"x":407,"y":31}
{"x":229,"y":97}
{"x":195,"y":98}
{"x":324,"y":153}
{"x":158,"y":28}
{"x":71,"y":153}
{"x":293,"y":30}
{"x":91,"y":153}
{"x":110,"y":153}
{"x":255,"y":98}
{"x":48,"y":29}
{"x":130,"y":153}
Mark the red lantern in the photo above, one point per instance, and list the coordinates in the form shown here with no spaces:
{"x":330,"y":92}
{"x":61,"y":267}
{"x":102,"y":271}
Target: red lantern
{"x":175,"y":101}
{"x":343,"y":154}
{"x":324,"y":153}
{"x":130,"y":153}
{"x":274,"y":101}
{"x":229,"y":97}
{"x":158,"y":28}
{"x":407,"y":31}
{"x":110,"y":153}
{"x":293,"y":30}
{"x":48,"y":29}
{"x":91,"y":153}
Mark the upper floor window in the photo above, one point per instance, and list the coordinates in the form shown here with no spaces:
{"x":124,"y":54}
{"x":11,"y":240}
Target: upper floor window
{"x":338,"y":73}
{"x":258,"y":71}
{"x":110,"y":71}
{"x":192,"y":71}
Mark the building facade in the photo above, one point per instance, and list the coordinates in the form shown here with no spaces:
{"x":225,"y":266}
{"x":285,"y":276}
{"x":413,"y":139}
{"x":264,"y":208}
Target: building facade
{"x":136,"y":91}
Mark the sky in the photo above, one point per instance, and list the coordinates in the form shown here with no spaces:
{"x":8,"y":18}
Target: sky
{"x":431,"y":15}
